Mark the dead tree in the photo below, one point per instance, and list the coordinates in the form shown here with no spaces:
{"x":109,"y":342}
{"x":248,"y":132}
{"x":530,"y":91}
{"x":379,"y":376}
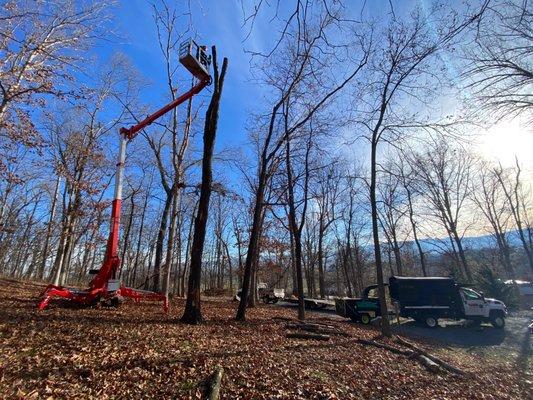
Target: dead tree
{"x":193,"y":313}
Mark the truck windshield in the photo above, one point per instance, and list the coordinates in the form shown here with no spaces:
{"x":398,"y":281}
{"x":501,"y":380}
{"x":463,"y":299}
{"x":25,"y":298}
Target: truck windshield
{"x":470,"y":294}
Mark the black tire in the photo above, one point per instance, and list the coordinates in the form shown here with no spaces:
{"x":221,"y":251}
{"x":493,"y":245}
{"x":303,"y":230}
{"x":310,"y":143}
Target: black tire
{"x":431,"y":322}
{"x":275,"y":300}
{"x":497,"y":319}
{"x":355,"y":318}
{"x":365,"y":319}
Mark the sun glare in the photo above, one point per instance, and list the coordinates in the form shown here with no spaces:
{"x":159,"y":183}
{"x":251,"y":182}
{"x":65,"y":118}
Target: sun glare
{"x":505,"y":142}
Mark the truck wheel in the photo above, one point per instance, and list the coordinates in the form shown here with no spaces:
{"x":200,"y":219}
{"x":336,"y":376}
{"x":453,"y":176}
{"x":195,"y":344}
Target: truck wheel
{"x":365,"y":319}
{"x":431,"y":322}
{"x":497,"y":320}
{"x":355,"y":317}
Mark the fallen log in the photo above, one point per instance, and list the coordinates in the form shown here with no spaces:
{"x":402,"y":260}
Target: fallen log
{"x":427,"y":363}
{"x":306,"y":335}
{"x":385,"y":346}
{"x":431,"y":357}
{"x":214,"y":384}
{"x":283,"y":319}
{"x":324,"y":329}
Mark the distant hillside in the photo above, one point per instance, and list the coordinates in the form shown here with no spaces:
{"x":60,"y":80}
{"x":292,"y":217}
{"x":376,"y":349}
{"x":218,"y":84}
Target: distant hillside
{"x":470,"y":242}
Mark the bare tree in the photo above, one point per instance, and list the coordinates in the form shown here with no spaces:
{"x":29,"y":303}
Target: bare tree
{"x":444,"y":174}
{"x":501,"y":70}
{"x":408,"y":181}
{"x":193,"y":313}
{"x":327,"y":196}
{"x":392,"y":210}
{"x":512,"y":187}
{"x":307,"y":52}
{"x":400,"y":71}
{"x":42,"y":44}
{"x":491,"y":199}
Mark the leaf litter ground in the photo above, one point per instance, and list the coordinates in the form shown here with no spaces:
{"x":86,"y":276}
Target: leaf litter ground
{"x":137,"y":352}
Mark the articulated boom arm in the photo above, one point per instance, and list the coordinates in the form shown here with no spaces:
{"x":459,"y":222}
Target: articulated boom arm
{"x":132,"y":131}
{"x":194,"y":58}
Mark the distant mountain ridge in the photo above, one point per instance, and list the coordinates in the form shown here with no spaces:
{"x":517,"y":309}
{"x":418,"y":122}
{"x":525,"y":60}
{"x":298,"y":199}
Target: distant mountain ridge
{"x":470,"y":242}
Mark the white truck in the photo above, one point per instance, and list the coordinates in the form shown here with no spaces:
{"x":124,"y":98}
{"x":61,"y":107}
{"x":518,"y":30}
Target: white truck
{"x":265,"y":294}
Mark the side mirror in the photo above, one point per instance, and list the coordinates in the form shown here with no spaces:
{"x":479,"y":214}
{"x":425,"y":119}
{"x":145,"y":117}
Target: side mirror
{"x":482,"y":295}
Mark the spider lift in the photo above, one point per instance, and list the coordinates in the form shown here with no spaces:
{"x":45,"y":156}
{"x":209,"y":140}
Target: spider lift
{"x":105,"y":287}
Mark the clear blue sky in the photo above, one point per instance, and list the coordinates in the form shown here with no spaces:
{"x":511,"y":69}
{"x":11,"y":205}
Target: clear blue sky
{"x":218,"y":22}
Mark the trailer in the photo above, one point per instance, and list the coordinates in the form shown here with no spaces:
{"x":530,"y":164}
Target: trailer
{"x":311,"y":303}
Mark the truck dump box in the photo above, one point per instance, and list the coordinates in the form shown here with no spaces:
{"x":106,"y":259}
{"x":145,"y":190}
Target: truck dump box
{"x":417,"y":296}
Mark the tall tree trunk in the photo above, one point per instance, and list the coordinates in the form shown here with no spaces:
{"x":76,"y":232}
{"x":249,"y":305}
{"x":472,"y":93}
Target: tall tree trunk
{"x":188,"y":249}
{"x":193,"y":313}
{"x":414,"y":228}
{"x":125,"y":242}
{"x":42,"y":267}
{"x":139,"y":241}
{"x":171,"y":237}
{"x":297,"y":234}
{"x":156,"y":278}
{"x":385,"y":326}
{"x":320,"y":255}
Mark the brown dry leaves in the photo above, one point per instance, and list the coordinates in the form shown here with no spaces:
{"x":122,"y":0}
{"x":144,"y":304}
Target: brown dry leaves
{"x":137,"y":352}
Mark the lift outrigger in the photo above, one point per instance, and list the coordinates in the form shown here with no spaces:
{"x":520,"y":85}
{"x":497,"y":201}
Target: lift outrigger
{"x":105,"y":287}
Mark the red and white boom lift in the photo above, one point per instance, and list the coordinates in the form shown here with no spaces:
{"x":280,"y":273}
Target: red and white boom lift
{"x":105,"y":286}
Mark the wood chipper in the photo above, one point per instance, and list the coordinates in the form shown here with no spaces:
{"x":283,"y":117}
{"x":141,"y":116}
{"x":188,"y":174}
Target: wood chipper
{"x":105,"y":287}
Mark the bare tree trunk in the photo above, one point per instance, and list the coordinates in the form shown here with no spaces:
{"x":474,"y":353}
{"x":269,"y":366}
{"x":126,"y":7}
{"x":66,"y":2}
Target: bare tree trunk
{"x":160,"y":241}
{"x":414,"y":228}
{"x":320,"y":256}
{"x":42,"y":267}
{"x":139,"y":241}
{"x":192,"y":313}
{"x":171,"y":238}
{"x":126,"y":241}
{"x":385,"y":327}
{"x":297,"y":231}
{"x":188,"y":248}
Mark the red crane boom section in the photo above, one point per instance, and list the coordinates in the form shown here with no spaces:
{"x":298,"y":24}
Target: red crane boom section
{"x":132,"y":131}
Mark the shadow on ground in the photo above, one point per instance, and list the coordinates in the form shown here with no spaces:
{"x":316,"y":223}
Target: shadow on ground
{"x":456,"y":334}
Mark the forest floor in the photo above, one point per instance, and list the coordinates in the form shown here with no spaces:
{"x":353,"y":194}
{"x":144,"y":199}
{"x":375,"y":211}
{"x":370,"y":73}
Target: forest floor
{"x":135,"y":351}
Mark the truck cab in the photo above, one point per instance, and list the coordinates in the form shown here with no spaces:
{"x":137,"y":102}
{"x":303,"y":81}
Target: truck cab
{"x":478,"y":308}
